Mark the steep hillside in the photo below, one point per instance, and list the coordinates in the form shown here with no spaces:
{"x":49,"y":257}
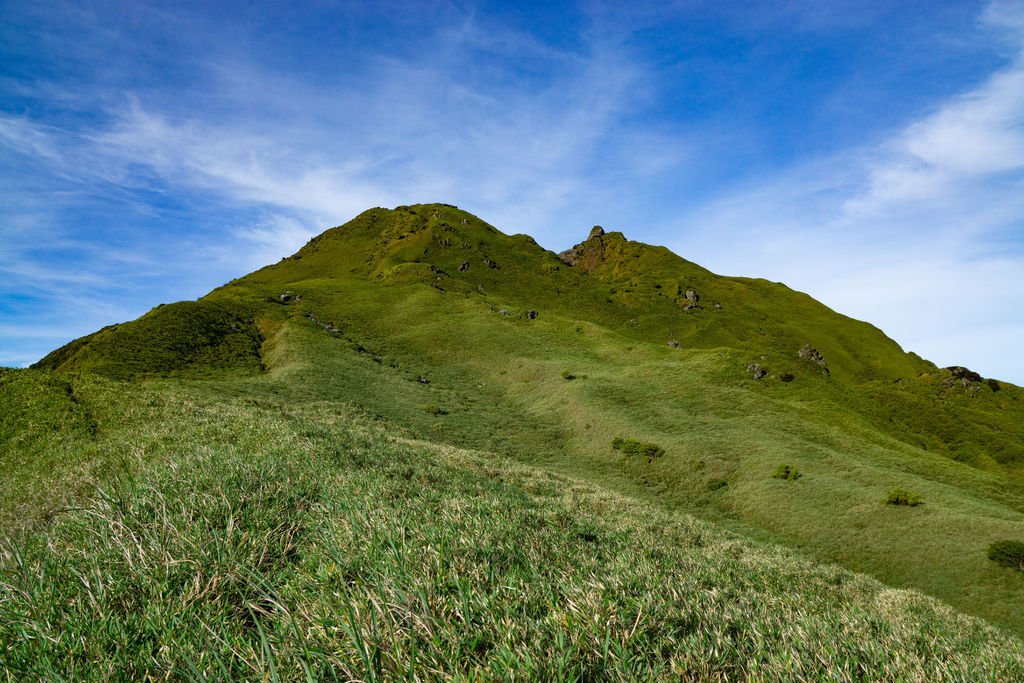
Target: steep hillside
{"x":432,"y":319}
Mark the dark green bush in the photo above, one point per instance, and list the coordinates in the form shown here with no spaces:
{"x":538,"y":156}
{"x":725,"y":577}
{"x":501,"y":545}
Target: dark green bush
{"x":787,"y":472}
{"x":901,"y":496}
{"x":787,"y":377}
{"x":1007,"y":553}
{"x":631,"y":447}
{"x":716,"y":484}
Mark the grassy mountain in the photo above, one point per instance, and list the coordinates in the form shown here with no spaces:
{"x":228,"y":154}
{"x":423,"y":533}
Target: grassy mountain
{"x":676,"y":391}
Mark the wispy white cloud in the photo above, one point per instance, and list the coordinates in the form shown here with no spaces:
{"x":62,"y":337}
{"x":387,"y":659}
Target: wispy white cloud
{"x":408,"y":131}
{"x":278,"y":157}
{"x":921,"y":233}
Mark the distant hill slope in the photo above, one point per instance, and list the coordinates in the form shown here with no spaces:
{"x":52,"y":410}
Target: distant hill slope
{"x":431,"y":318}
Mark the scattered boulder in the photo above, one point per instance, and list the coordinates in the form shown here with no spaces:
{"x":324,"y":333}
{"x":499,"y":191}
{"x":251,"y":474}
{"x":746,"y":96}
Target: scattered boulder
{"x":532,"y":315}
{"x":503,"y":311}
{"x":756,"y":370}
{"x":286,"y":298}
{"x":691,"y":295}
{"x":718,"y":306}
{"x":464,"y":266}
{"x":424,"y":380}
{"x":467,"y":245}
{"x":673,"y":344}
{"x":330,"y":327}
{"x":465,"y":221}
{"x":569,"y":256}
{"x":489,"y":263}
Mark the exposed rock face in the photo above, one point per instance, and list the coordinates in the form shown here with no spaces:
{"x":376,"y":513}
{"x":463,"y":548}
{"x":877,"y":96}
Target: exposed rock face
{"x":691,"y":295}
{"x":812,"y":355}
{"x":963,"y":373}
{"x":587,"y":253}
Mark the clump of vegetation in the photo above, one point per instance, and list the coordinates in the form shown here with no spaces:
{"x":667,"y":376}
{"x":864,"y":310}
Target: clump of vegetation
{"x":434,"y":410}
{"x":716,"y":484}
{"x":1007,"y":553}
{"x":567,"y":374}
{"x":632,"y":447}
{"x":787,"y":472}
{"x":787,"y":377}
{"x":902,"y":496}
{"x":993,"y":384}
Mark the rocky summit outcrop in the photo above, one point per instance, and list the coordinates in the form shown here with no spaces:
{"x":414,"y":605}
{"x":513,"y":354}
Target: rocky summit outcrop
{"x":588,"y":253}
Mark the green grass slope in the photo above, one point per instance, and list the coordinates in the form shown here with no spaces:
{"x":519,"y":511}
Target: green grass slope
{"x":266,"y":539}
{"x":430,"y":318}
{"x":188,"y":337}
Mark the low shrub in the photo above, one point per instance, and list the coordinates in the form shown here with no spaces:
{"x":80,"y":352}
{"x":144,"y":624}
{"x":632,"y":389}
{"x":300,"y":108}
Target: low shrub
{"x":434,"y":410}
{"x":787,"y":472}
{"x":787,"y":377}
{"x":716,"y":484}
{"x":566,"y":374}
{"x":1007,"y":553}
{"x":901,"y":496}
{"x":631,"y":447}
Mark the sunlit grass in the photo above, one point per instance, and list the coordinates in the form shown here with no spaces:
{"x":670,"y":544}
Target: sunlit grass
{"x":306,"y":543}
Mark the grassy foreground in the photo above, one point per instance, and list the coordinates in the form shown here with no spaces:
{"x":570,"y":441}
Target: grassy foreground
{"x":258,"y":540}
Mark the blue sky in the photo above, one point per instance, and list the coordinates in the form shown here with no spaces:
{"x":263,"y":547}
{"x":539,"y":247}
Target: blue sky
{"x":868,"y":153}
